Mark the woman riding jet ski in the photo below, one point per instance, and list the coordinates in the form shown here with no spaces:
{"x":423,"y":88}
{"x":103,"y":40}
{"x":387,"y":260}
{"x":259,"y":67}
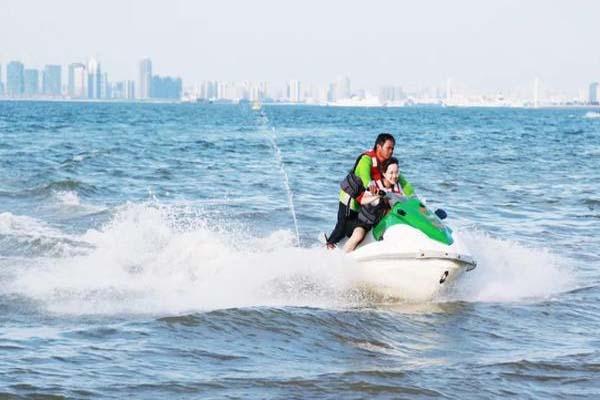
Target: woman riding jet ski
{"x":409,"y":253}
{"x":374,"y":206}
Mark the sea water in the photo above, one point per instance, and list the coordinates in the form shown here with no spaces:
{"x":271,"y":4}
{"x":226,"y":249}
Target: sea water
{"x":170,"y":251}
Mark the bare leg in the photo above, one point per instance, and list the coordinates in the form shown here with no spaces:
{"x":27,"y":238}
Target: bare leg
{"x":358,"y":234}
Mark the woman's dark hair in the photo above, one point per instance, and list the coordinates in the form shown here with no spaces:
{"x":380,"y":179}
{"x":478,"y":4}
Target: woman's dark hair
{"x":382,"y":138}
{"x":388,"y":162}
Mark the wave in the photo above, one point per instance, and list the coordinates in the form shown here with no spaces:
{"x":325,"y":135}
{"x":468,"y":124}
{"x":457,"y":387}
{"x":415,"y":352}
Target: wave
{"x":82,"y":156}
{"x":592,"y":115}
{"x":28,"y":237}
{"x":68,"y":198}
{"x":545,"y":369}
{"x":52,"y":188}
{"x":11,"y":224}
{"x":591,"y":203}
{"x":64,"y":185}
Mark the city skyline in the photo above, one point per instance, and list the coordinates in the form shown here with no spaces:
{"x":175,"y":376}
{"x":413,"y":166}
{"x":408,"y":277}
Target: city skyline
{"x":84,"y":81}
{"x":490,"y":47}
{"x":89,"y":81}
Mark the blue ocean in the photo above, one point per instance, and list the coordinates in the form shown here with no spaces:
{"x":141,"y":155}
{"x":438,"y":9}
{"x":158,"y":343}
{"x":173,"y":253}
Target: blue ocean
{"x":170,"y":251}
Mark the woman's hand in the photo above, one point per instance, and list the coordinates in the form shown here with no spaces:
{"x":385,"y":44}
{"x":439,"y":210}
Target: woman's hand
{"x":370,"y":198}
{"x":373,"y":187}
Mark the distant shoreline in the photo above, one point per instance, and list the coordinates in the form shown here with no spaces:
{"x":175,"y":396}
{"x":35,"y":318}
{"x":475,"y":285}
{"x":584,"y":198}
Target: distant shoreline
{"x":288,"y":104}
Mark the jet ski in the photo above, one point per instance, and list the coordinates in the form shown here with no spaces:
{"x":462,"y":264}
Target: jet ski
{"x":411,"y":254}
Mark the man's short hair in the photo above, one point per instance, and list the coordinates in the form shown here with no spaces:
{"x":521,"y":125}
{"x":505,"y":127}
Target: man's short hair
{"x":382,"y":138}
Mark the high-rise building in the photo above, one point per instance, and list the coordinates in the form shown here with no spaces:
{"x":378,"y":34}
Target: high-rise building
{"x":117,"y":90}
{"x":209,"y":90}
{"x":448,"y":90}
{"x":15,"y":80}
{"x":331,"y":92}
{"x":594,"y":94}
{"x":129,"y":93}
{"x":31,"y":82}
{"x":105,"y":87}
{"x":258,"y":91}
{"x":312,"y":94}
{"x":223,"y":91}
{"x":166,"y":88}
{"x":536,"y":92}
{"x":294,"y":91}
{"x":52,"y":80}
{"x":77,"y":81}
{"x":263,"y":88}
{"x":340,"y":89}
{"x":391,"y":94}
{"x":94,"y":79}
{"x":343,"y":88}
{"x":122,"y":90}
{"x":145,"y":79}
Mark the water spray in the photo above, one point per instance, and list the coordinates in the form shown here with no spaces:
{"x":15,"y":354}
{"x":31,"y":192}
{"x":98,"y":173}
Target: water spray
{"x":286,"y":182}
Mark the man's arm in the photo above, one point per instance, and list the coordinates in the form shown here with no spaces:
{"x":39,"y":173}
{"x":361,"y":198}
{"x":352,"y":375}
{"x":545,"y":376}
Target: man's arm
{"x":363,"y":170}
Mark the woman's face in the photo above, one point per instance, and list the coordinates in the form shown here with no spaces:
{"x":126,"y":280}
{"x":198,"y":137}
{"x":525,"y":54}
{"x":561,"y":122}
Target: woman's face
{"x":391,"y":174}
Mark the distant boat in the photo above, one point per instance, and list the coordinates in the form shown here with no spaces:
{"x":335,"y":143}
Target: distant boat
{"x":256,"y":106}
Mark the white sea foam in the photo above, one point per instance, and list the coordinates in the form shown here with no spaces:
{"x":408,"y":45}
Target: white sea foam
{"x":509,"y":271}
{"x":21,"y":225}
{"x":30,"y":237}
{"x":150,"y":259}
{"x":68,"y":202}
{"x":69,"y":198}
{"x":147,"y":260}
{"x":592,"y":115}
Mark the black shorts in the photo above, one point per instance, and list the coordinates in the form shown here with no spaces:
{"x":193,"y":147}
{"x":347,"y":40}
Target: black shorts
{"x":355,"y":223}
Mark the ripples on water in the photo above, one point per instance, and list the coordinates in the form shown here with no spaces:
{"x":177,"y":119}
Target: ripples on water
{"x":150,"y":251}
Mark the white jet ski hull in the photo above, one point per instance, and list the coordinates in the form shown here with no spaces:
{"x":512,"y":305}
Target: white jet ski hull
{"x":408,"y":265}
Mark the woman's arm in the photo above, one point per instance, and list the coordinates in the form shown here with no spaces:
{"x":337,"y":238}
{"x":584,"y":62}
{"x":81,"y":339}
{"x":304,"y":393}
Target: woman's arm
{"x":369,"y":198}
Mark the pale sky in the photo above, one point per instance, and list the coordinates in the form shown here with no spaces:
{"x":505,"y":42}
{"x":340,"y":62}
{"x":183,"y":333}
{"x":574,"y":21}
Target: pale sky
{"x":485,"y":44}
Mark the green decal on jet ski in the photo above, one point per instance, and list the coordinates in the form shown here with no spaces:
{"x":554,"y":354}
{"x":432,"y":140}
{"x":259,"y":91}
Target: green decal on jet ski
{"x":410,"y":211}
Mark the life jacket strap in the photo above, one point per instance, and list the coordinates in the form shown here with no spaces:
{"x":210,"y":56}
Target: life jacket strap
{"x":395,"y":189}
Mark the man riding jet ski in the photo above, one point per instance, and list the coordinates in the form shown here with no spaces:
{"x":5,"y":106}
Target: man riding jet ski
{"x":409,"y":253}
{"x":359,"y":184}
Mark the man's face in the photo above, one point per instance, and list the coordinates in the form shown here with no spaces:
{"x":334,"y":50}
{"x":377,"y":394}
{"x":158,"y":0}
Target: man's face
{"x":384,"y":152}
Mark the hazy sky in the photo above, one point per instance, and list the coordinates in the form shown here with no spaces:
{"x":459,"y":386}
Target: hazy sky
{"x":485,"y":44}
